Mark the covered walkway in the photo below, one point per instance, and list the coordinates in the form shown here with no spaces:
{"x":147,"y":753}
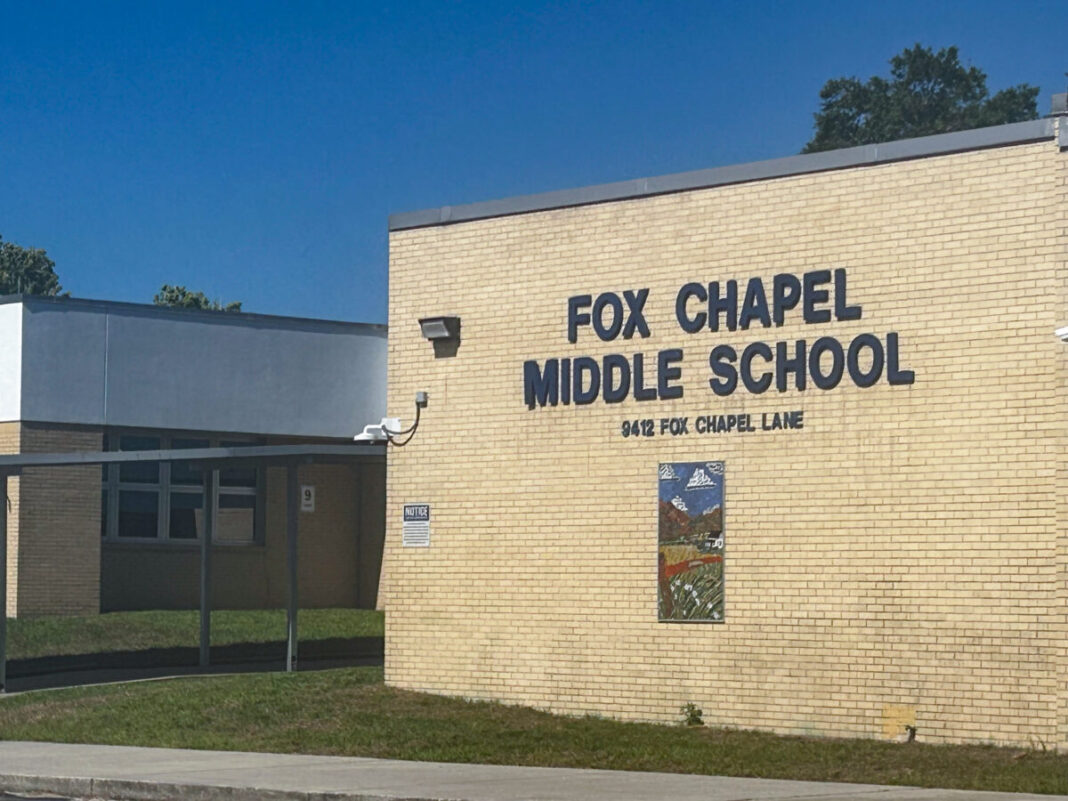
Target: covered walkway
{"x":208,"y":460}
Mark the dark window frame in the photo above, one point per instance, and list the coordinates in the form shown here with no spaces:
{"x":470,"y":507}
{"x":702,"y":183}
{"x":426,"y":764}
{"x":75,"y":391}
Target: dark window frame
{"x":112,"y":486}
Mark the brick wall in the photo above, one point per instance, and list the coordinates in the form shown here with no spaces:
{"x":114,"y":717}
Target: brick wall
{"x":902,"y":557}
{"x":59,"y":519}
{"x":9,"y":443}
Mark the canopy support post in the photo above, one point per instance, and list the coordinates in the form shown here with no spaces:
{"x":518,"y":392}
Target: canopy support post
{"x":292,"y":523}
{"x":207,"y":536}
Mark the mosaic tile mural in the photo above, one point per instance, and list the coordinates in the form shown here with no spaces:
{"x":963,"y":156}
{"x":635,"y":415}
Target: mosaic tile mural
{"x":691,"y":542}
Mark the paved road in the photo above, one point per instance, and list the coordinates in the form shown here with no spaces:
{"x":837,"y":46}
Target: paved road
{"x":151,"y":774}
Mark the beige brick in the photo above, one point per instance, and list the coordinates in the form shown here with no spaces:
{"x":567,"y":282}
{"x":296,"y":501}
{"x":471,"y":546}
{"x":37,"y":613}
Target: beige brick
{"x":58,"y":567}
{"x":906,"y":551}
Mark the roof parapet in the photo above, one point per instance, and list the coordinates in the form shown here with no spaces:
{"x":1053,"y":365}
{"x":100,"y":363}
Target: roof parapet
{"x":901,"y":150}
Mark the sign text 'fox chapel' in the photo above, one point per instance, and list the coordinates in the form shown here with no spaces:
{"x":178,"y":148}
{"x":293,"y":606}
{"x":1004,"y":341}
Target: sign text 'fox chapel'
{"x":825,"y":361}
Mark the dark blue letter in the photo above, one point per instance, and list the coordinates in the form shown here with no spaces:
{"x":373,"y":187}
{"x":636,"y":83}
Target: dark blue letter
{"x":755,"y":305}
{"x":691,"y":325}
{"x":641,"y":392}
{"x":728,"y":304}
{"x":574,"y":317}
{"x":829,"y":381}
{"x":721,"y":360}
{"x":636,"y":313}
{"x":612,"y":331}
{"x":786,"y":292}
{"x":756,"y":386}
{"x":613,"y":363}
{"x":870,"y":377}
{"x":894,"y":374}
{"x":841,"y":311}
{"x":795,"y":365}
{"x":814,"y":296}
{"x":539,"y":387}
{"x":584,"y":364}
{"x":665,"y":372}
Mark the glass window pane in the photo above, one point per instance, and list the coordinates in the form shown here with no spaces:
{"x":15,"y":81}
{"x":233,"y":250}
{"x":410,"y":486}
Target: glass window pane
{"x":138,"y":513}
{"x":244,"y":476}
{"x":139,"y":472}
{"x":236,"y":520}
{"x":103,"y":513}
{"x":184,"y":473}
{"x":109,"y":444}
{"x":187,"y":516}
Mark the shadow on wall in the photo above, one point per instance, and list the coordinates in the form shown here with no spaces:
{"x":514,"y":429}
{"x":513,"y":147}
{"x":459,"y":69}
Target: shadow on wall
{"x":339,"y":556}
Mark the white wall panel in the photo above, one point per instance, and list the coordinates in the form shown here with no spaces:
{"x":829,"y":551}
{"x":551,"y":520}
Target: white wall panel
{"x":10,"y":361}
{"x":126,"y":365}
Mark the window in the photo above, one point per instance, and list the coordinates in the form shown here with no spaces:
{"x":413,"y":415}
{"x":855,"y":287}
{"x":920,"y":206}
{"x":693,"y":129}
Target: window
{"x":238,"y":493}
{"x":186,"y":494}
{"x":139,"y":496}
{"x":164,"y":502}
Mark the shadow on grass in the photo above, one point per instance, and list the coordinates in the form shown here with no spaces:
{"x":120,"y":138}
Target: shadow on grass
{"x":332,"y":649}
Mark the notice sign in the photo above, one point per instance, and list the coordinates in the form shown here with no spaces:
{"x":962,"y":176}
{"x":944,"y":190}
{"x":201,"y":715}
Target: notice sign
{"x":415,"y":531}
{"x":691,"y":542}
{"x":307,"y":498}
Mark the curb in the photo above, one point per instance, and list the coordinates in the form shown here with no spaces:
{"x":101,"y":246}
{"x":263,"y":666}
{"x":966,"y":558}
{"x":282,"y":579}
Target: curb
{"x":134,"y":790}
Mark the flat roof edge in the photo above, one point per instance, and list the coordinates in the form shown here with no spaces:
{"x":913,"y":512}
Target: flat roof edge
{"x":203,"y":315}
{"x":938,"y":144}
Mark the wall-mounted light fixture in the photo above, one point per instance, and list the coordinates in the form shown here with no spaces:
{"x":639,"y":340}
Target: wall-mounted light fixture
{"x":444,"y":332}
{"x":438,"y":328}
{"x":1062,"y":334}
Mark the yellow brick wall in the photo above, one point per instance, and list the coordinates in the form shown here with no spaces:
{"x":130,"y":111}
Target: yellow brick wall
{"x":902,"y":556}
{"x":9,"y":443}
{"x":59,"y":518}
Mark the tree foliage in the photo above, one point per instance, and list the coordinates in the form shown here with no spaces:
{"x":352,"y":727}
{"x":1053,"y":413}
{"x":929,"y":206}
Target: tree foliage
{"x":927,"y":93}
{"x":178,"y":297}
{"x":26,"y":271}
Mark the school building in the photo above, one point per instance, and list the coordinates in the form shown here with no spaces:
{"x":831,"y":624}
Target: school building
{"x":784,"y":440}
{"x":83,"y":375}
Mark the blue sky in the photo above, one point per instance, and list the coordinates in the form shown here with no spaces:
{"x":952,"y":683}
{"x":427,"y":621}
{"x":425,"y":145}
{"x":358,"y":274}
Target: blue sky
{"x":255,"y":150}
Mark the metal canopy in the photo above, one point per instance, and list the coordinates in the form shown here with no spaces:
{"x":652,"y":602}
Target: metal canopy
{"x":12,"y":464}
{"x":209,"y":459}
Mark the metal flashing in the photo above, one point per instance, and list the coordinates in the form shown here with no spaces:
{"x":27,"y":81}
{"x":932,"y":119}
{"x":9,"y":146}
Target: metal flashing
{"x":200,"y":315}
{"x":1062,"y":132}
{"x":13,"y":464}
{"x":864,"y":155}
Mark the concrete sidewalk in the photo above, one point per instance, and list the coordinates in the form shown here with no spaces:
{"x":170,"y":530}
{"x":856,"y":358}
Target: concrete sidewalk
{"x":154,"y":774}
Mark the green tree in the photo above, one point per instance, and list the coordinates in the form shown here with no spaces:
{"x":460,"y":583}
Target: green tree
{"x":179,"y":297}
{"x":26,"y":271}
{"x":927,"y":93}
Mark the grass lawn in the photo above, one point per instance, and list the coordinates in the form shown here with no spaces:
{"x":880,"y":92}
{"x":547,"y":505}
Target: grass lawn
{"x":351,"y":712}
{"x":135,"y":631}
